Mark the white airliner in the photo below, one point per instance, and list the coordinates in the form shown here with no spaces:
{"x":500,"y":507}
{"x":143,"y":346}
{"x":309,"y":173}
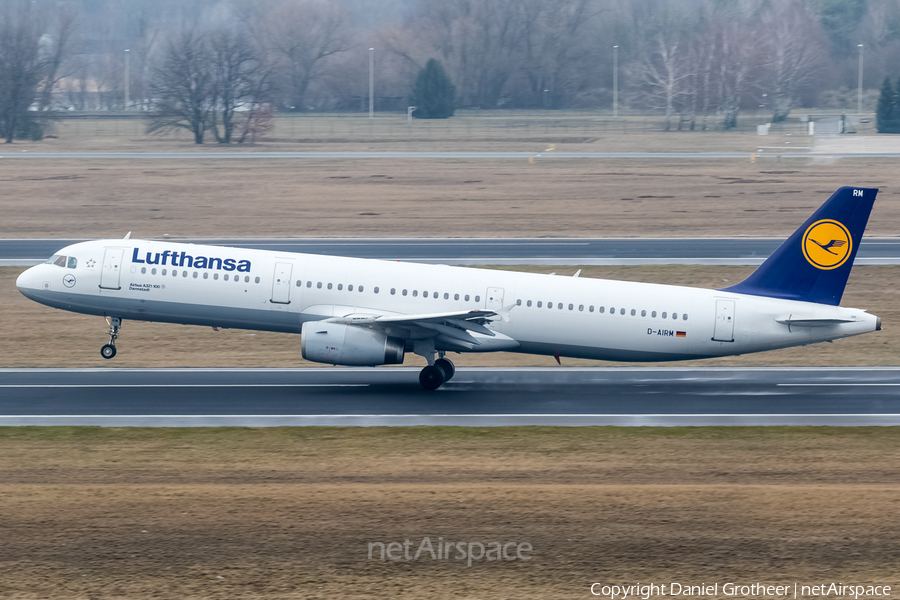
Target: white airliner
{"x":368,"y":312}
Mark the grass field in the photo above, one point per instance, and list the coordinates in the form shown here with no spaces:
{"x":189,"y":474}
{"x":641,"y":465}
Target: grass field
{"x":30,"y":329}
{"x":289,"y":513}
{"x":428,"y":197}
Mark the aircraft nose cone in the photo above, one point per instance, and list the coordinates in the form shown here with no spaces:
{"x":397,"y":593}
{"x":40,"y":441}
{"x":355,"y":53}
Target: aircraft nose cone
{"x":25,"y":281}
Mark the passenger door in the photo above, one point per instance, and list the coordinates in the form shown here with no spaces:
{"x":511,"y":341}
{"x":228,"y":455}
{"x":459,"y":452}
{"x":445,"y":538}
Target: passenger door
{"x":724,"y":331}
{"x":110,"y":274}
{"x":281,"y":283}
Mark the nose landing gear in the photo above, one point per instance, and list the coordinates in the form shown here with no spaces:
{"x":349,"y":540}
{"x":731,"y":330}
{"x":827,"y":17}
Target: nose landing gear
{"x":109,"y":350}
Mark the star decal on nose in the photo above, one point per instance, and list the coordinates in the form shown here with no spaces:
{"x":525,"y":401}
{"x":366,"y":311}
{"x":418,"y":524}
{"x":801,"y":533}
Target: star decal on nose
{"x":90,"y":264}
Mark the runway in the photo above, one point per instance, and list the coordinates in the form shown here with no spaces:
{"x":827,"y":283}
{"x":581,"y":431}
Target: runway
{"x":474,"y":397}
{"x":510,"y":251}
{"x":243,"y":155}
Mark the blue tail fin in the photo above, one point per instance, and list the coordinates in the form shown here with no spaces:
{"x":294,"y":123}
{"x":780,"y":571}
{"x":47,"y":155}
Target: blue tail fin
{"x":814,"y":263}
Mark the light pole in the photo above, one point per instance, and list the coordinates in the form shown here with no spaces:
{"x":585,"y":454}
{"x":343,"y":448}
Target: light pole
{"x":127,"y":54}
{"x":859,"y":88}
{"x":615,"y":81}
{"x":371,"y":83}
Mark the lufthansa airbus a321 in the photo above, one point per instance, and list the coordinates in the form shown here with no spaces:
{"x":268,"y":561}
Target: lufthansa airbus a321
{"x":367,"y":312}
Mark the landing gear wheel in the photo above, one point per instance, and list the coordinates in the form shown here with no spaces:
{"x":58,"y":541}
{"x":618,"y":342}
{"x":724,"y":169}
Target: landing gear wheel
{"x":431,"y":377}
{"x":108,"y":351}
{"x":447,"y":367}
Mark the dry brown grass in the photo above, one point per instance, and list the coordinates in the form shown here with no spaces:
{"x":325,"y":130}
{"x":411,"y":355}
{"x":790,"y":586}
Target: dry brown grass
{"x":37,"y":336}
{"x":428,"y":197}
{"x":288,"y":513}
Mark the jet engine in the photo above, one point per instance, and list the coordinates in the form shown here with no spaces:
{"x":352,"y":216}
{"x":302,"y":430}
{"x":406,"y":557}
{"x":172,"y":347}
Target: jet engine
{"x":338,"y":344}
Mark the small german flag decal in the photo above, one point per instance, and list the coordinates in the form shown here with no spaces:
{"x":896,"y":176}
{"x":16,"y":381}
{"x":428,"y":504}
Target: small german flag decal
{"x":680,"y":334}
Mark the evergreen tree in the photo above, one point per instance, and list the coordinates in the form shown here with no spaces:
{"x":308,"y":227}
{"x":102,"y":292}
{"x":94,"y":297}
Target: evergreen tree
{"x":884,"y":114}
{"x":433,"y":95}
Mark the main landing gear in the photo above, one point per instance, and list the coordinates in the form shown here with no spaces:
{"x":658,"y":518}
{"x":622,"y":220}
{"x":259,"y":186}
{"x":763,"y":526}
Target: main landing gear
{"x":434,"y":376}
{"x":109,"y":350}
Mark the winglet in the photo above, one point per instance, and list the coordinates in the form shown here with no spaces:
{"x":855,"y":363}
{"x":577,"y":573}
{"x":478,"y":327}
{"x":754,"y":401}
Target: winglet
{"x":127,"y":236}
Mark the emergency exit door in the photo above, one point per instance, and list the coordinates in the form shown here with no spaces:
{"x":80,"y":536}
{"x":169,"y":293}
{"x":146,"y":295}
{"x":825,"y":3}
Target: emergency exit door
{"x":493,"y":299}
{"x":724,"y":331}
{"x":112,"y":268}
{"x":281,"y":283}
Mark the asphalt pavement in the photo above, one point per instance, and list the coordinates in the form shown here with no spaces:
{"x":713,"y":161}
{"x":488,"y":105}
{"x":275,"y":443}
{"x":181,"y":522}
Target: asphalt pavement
{"x":474,"y":397}
{"x":462,"y":251}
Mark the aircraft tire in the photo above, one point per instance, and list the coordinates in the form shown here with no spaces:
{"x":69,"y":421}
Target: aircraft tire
{"x":447,"y":367}
{"x":108,"y":351}
{"x":431,"y":377}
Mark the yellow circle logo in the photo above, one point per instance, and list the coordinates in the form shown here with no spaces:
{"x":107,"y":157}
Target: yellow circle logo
{"x":827,"y":244}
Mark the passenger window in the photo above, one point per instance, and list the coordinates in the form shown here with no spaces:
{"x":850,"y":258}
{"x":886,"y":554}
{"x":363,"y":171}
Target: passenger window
{"x":206,"y":276}
{"x":612,"y":310}
{"x":477,"y":298}
{"x":633,"y":312}
{"x":153,"y":271}
{"x":73,"y":262}
{"x":550,"y":305}
{"x":184,"y":274}
{"x":467,"y":297}
{"x":591,"y":308}
{"x":684,"y":317}
{"x":376,"y":289}
{"x":143,"y":270}
{"x":643,"y":313}
{"x":424,"y":294}
{"x":664,"y":315}
{"x":518,"y":303}
{"x":226,"y":277}
{"x":581,"y":307}
{"x":528,"y":303}
{"x":319,"y":285}
{"x":447,"y":297}
{"x":246,"y":279}
{"x":195,"y":274}
{"x":456,"y":296}
{"x":350,"y":288}
{"x":299,"y":283}
{"x":674,"y":316}
{"x":329,"y":286}
{"x":340,"y":286}
{"x":602,"y":309}
{"x":653,"y":314}
{"x":61,"y":261}
{"x":540,"y":304}
{"x":393,"y":291}
{"x":215,"y":276}
{"x":360,"y":288}
{"x":415,"y":293}
{"x":174,"y":273}
{"x":621,"y":311}
{"x":559,"y":306}
{"x":164,"y":271}
{"x":404,"y":292}
{"x":307,"y":283}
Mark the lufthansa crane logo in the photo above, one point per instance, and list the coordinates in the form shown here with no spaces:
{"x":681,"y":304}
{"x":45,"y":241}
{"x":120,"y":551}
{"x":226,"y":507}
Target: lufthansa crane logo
{"x":827,"y":244}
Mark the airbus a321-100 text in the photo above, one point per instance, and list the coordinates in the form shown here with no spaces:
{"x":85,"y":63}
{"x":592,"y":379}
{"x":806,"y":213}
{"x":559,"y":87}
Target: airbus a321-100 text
{"x":367,"y":312}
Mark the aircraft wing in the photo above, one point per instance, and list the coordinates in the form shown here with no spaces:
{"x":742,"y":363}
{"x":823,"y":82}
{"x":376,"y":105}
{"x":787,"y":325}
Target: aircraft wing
{"x":453,"y":328}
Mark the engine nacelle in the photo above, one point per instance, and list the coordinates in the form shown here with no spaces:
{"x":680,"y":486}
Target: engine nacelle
{"x":338,"y":344}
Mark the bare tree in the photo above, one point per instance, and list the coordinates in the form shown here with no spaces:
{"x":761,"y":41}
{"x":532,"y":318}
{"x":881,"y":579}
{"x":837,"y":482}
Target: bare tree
{"x":664,"y":67}
{"x":58,"y":52}
{"x":241,"y":84}
{"x":22,"y":66}
{"x":183,"y":87}
{"x":303,"y":35}
{"x":793,"y":53}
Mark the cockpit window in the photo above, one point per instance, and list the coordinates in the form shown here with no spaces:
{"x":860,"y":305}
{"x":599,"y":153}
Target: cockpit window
{"x":56,"y":259}
{"x":73,"y":262}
